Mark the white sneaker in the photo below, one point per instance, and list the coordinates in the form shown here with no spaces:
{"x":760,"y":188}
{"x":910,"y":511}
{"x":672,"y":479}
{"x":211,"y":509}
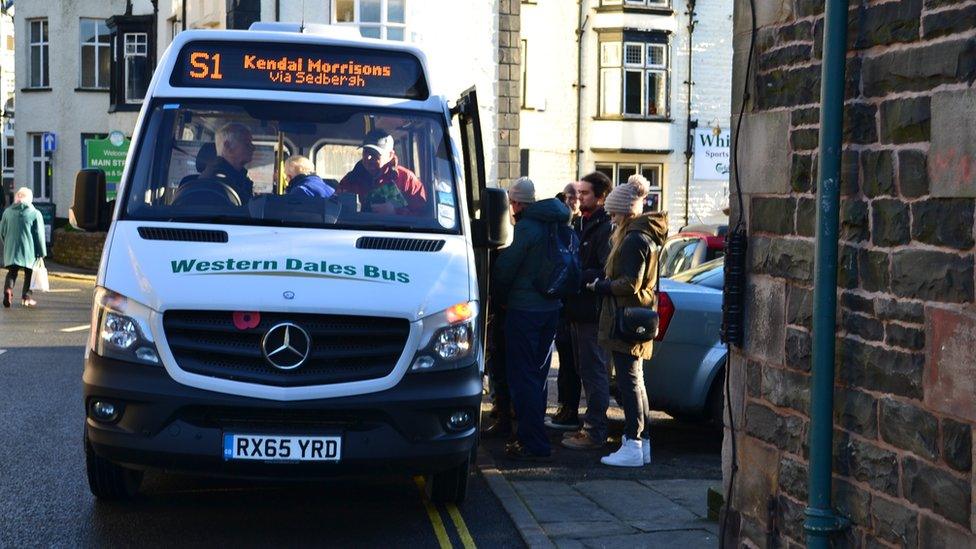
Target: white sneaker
{"x":630,"y":454}
{"x":646,"y":449}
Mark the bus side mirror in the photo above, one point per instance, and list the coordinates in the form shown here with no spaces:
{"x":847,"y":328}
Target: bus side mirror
{"x":496,"y":217}
{"x":89,"y":208}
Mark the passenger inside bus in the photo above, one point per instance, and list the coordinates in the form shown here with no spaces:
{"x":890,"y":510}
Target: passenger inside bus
{"x":302,"y":179}
{"x":382,"y":184}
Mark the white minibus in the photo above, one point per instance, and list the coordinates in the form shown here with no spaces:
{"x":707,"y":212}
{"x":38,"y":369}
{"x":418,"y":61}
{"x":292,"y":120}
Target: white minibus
{"x":294,"y":277}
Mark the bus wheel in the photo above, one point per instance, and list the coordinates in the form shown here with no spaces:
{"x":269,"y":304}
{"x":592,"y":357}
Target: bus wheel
{"x":108,"y":481}
{"x":450,"y":486}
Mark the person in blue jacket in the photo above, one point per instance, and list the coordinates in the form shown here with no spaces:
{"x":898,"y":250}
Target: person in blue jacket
{"x":302,"y":179}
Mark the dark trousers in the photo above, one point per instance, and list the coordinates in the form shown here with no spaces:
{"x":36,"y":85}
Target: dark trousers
{"x":592,"y":360}
{"x":630,"y":381}
{"x":496,"y":363}
{"x":528,"y":340}
{"x":568,"y":380}
{"x":8,"y":283}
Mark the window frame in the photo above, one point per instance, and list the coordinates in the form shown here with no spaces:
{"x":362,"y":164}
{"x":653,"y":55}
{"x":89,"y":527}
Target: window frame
{"x":614,"y":168}
{"x":384,"y":24}
{"x":9,"y":156}
{"x":97,"y":46}
{"x":44,"y":44}
{"x":45,"y":193}
{"x":616,"y":64}
{"x":126,"y":56}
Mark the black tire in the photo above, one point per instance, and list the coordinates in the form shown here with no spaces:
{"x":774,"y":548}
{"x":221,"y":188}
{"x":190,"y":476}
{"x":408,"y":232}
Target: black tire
{"x":108,"y":481}
{"x":450,"y":486}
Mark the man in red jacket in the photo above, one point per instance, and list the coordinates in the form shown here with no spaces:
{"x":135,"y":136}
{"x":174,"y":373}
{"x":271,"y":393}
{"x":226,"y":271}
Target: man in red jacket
{"x":383,"y":186}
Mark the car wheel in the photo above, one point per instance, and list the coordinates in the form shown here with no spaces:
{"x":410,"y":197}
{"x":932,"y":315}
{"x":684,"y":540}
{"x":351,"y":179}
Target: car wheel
{"x":109,"y":481}
{"x":450,"y":486}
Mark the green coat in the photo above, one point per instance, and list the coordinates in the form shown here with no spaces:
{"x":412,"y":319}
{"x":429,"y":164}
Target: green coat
{"x":631,"y":278}
{"x":22,"y":232}
{"x":519,"y":264}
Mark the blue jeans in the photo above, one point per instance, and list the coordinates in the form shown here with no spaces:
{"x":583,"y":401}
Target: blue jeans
{"x":592,"y":362}
{"x":528,"y":350}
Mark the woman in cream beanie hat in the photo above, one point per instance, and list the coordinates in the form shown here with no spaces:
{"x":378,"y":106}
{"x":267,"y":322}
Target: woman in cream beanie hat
{"x":631,"y":277}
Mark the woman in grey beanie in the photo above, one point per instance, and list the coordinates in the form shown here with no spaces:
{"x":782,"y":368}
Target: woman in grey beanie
{"x":631,"y":278}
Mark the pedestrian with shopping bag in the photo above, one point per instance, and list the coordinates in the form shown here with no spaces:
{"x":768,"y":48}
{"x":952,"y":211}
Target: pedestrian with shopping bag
{"x":628,"y":319}
{"x":22,"y":233}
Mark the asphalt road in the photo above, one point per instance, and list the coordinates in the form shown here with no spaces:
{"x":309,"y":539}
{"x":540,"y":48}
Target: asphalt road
{"x":44,"y":497}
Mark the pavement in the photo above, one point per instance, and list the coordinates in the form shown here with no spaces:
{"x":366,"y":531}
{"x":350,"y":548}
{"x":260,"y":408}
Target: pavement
{"x":575,"y":501}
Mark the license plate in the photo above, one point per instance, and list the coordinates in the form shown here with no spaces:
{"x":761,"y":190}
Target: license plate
{"x":282,"y":448}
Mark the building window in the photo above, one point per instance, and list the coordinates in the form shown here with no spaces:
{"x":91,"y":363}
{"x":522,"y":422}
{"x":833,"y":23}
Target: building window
{"x":634,"y":78}
{"x":525,"y":74}
{"x":636,"y":3}
{"x":375,"y":18}
{"x":136,"y":66}
{"x":37,"y":46}
{"x":619,"y":172}
{"x":96,"y":54}
{"x":40,"y":168}
{"x":8,"y":153}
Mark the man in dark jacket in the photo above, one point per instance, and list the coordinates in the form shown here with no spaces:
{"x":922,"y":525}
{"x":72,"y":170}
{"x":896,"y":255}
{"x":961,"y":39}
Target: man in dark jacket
{"x":568,"y":381}
{"x":531,"y":318}
{"x":583,"y":311}
{"x":235,"y":149}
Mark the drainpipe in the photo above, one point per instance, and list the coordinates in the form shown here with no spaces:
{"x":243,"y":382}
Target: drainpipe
{"x":580,"y":29}
{"x":183,"y":24}
{"x":821,"y":520}
{"x":691,"y":125}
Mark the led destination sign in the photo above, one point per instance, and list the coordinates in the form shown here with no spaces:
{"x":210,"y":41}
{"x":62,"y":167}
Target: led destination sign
{"x":308,"y":68}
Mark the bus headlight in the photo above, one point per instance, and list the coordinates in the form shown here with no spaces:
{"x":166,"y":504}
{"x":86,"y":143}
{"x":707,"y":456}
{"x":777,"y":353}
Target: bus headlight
{"x":448,"y":337}
{"x":120,"y":329}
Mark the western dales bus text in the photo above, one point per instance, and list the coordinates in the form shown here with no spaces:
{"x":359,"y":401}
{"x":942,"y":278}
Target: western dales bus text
{"x":266,"y":266}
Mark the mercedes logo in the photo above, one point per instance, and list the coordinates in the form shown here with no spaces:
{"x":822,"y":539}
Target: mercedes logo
{"x":286,"y":346}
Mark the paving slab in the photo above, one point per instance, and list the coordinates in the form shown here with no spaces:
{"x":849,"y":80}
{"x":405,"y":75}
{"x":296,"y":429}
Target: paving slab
{"x":530,"y":488}
{"x":689,"y":493}
{"x":630,"y":500}
{"x":679,"y":539}
{"x":588,"y":529}
{"x":565,"y":509}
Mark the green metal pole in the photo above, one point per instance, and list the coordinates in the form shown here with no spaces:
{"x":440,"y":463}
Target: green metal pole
{"x":821,"y":520}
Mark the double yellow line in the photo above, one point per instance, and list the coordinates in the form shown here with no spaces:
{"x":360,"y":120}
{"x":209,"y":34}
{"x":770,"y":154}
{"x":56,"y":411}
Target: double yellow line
{"x":467,"y":542}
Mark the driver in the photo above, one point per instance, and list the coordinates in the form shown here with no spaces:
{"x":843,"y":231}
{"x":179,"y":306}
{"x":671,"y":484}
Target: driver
{"x":383,"y":186}
{"x":235,"y":149}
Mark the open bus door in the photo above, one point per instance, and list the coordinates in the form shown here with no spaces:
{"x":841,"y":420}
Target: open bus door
{"x":487,"y":206}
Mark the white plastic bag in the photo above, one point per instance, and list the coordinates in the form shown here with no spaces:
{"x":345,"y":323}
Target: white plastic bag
{"x":39,"y":281}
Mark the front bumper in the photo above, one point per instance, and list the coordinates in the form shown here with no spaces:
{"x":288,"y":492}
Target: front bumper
{"x":169,"y":426}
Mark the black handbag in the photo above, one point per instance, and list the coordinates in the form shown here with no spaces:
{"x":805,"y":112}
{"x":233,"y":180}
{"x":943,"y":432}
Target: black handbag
{"x":637,"y":324}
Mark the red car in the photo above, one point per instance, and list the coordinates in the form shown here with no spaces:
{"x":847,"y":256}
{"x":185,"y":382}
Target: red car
{"x":692,"y":246}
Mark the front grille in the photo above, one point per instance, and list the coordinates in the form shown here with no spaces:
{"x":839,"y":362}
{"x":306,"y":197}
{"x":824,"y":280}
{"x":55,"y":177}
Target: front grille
{"x":399,"y":244}
{"x":343,"y":348}
{"x":282,"y":420}
{"x":183,"y":235}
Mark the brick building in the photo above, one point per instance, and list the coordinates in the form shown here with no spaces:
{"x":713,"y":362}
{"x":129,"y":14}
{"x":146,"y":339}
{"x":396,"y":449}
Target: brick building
{"x":906,"y":325}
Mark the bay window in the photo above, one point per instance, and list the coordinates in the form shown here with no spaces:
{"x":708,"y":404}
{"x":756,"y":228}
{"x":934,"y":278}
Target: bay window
{"x":634,"y":76}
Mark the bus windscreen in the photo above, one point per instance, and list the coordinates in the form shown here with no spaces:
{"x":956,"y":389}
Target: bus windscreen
{"x":300,"y":67}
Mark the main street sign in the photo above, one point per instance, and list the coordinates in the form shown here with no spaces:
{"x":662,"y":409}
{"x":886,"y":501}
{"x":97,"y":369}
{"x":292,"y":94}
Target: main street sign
{"x":109,"y":155}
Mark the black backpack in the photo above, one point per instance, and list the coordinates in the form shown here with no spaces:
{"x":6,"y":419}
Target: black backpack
{"x":560,"y":278}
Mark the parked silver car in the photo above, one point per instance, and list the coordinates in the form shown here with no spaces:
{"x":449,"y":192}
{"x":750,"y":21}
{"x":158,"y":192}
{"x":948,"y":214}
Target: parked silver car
{"x":685,"y":378}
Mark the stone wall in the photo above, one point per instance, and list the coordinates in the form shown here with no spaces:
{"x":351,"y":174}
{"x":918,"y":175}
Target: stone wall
{"x":509,"y":82}
{"x":77,"y":249}
{"x":905,"y":398}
